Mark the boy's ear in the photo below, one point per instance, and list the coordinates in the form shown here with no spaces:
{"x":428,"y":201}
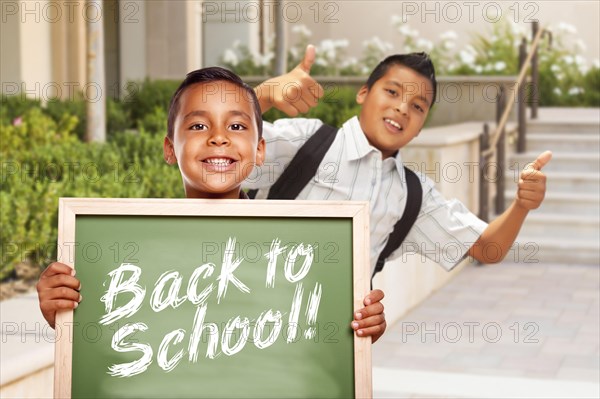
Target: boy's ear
{"x":362,"y":93}
{"x":168,"y":151}
{"x":260,"y":152}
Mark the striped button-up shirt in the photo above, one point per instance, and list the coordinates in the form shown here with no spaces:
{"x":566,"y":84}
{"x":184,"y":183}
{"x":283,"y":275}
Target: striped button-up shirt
{"x":354,"y":170}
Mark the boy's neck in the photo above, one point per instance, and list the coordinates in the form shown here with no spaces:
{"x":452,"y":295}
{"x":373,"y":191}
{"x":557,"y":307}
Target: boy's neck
{"x":234,"y":194}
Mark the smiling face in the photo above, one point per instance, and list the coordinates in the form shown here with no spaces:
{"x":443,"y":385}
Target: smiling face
{"x":215,"y":140}
{"x":395,"y":108}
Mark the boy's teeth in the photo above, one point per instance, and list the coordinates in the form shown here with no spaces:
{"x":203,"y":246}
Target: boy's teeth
{"x":219,"y":161}
{"x":393,"y":123}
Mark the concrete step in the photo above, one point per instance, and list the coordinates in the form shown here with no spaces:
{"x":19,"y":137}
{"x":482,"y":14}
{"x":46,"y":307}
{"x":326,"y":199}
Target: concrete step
{"x":561,"y":161}
{"x":588,"y":125}
{"x":566,"y":203}
{"x":563,"y":142}
{"x":564,"y":182}
{"x":529,"y":249}
{"x":561,"y":225}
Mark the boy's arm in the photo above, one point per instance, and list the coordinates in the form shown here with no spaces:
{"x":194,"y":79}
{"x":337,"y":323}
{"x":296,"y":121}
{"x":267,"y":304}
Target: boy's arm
{"x":294,"y":92}
{"x":58,"y":289}
{"x":370,"y":320}
{"x":502,"y":232}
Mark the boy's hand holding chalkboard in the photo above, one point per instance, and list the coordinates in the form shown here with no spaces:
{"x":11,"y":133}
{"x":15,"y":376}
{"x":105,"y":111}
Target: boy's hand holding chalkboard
{"x":370,"y":320}
{"x":58,"y":289}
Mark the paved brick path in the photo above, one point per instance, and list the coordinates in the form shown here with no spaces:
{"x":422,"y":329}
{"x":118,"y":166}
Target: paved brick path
{"x":519,"y":330}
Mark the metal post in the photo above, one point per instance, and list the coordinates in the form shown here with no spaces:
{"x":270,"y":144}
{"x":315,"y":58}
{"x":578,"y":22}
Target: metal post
{"x":535,"y":73}
{"x":500,"y":153}
{"x":521,"y":100}
{"x":484,"y":191}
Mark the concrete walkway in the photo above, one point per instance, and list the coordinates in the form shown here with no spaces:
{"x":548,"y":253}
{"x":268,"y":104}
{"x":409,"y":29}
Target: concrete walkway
{"x":510,"y":330}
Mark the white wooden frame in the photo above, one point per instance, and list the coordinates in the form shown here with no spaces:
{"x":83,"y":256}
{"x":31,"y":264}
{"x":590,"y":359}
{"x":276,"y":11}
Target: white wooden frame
{"x":69,"y":208}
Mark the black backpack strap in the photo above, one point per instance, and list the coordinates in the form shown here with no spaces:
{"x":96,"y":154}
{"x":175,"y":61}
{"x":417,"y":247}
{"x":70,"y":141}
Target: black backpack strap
{"x":304,"y":165}
{"x":402,"y":227}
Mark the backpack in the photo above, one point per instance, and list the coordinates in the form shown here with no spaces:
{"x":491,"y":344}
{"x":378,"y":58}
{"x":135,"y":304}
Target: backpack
{"x":304,"y":166}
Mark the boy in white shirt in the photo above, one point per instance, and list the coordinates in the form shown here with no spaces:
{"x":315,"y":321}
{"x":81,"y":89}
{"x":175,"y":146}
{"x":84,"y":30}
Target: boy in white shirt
{"x":364,"y":162}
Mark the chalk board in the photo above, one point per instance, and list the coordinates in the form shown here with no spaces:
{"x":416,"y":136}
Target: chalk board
{"x":213,"y":298}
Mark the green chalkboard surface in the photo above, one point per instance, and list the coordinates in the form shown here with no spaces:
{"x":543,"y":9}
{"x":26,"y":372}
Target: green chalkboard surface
{"x":207,"y":306}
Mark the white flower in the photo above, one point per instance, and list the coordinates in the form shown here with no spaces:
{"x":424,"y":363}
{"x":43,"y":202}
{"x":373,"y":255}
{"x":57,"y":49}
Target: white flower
{"x":560,"y":76}
{"x":424,"y":44}
{"x":321,"y":62}
{"x":567,"y":28}
{"x":557,"y":91}
{"x":448,"y":45}
{"x":449,"y":35}
{"x":466,"y":57}
{"x":349,"y":62}
{"x":579,"y":60}
{"x":406,"y":31}
{"x":555,"y":68}
{"x":488,"y":67}
{"x":573,"y":91}
{"x":302,"y":30}
{"x":341,"y":43}
{"x":516,"y":29}
{"x":266,"y":58}
{"x":229,"y":57}
{"x":596,"y":63}
{"x":261,"y":59}
{"x":396,"y":19}
{"x":256,"y":58}
{"x":326,"y":45}
{"x":378,"y":44}
{"x":500,"y":66}
{"x":478,"y":69}
{"x":568,"y":59}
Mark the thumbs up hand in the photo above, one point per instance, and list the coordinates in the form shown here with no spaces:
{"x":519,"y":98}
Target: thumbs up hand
{"x":295,"y":92}
{"x":532,"y":183}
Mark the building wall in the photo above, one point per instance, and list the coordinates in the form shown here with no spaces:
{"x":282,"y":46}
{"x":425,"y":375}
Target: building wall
{"x":10,"y":44}
{"x":164,"y":39}
{"x":132,"y":48}
{"x":361,"y":20}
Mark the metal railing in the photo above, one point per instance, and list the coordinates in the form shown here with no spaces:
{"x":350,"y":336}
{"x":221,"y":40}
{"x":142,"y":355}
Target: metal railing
{"x":492,"y":145}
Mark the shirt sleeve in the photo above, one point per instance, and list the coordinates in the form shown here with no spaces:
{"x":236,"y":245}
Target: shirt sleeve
{"x":283,"y":138}
{"x":444,"y":230}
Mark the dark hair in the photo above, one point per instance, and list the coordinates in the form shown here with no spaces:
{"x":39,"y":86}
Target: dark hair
{"x":207,"y":75}
{"x":418,"y":62}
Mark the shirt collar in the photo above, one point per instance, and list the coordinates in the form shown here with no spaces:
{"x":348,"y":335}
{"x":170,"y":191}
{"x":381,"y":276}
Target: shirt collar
{"x":357,"y":145}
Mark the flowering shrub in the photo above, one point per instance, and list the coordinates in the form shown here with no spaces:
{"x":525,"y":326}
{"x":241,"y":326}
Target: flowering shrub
{"x":565,"y":78}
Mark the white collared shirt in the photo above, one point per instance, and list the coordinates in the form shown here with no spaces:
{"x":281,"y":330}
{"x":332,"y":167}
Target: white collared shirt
{"x":354,"y":170}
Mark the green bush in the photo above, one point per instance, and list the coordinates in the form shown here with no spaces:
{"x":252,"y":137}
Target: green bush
{"x":143,"y":98}
{"x":592,"y":88}
{"x":57,"y":109}
{"x":13,"y":107}
{"x":44,"y":160}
